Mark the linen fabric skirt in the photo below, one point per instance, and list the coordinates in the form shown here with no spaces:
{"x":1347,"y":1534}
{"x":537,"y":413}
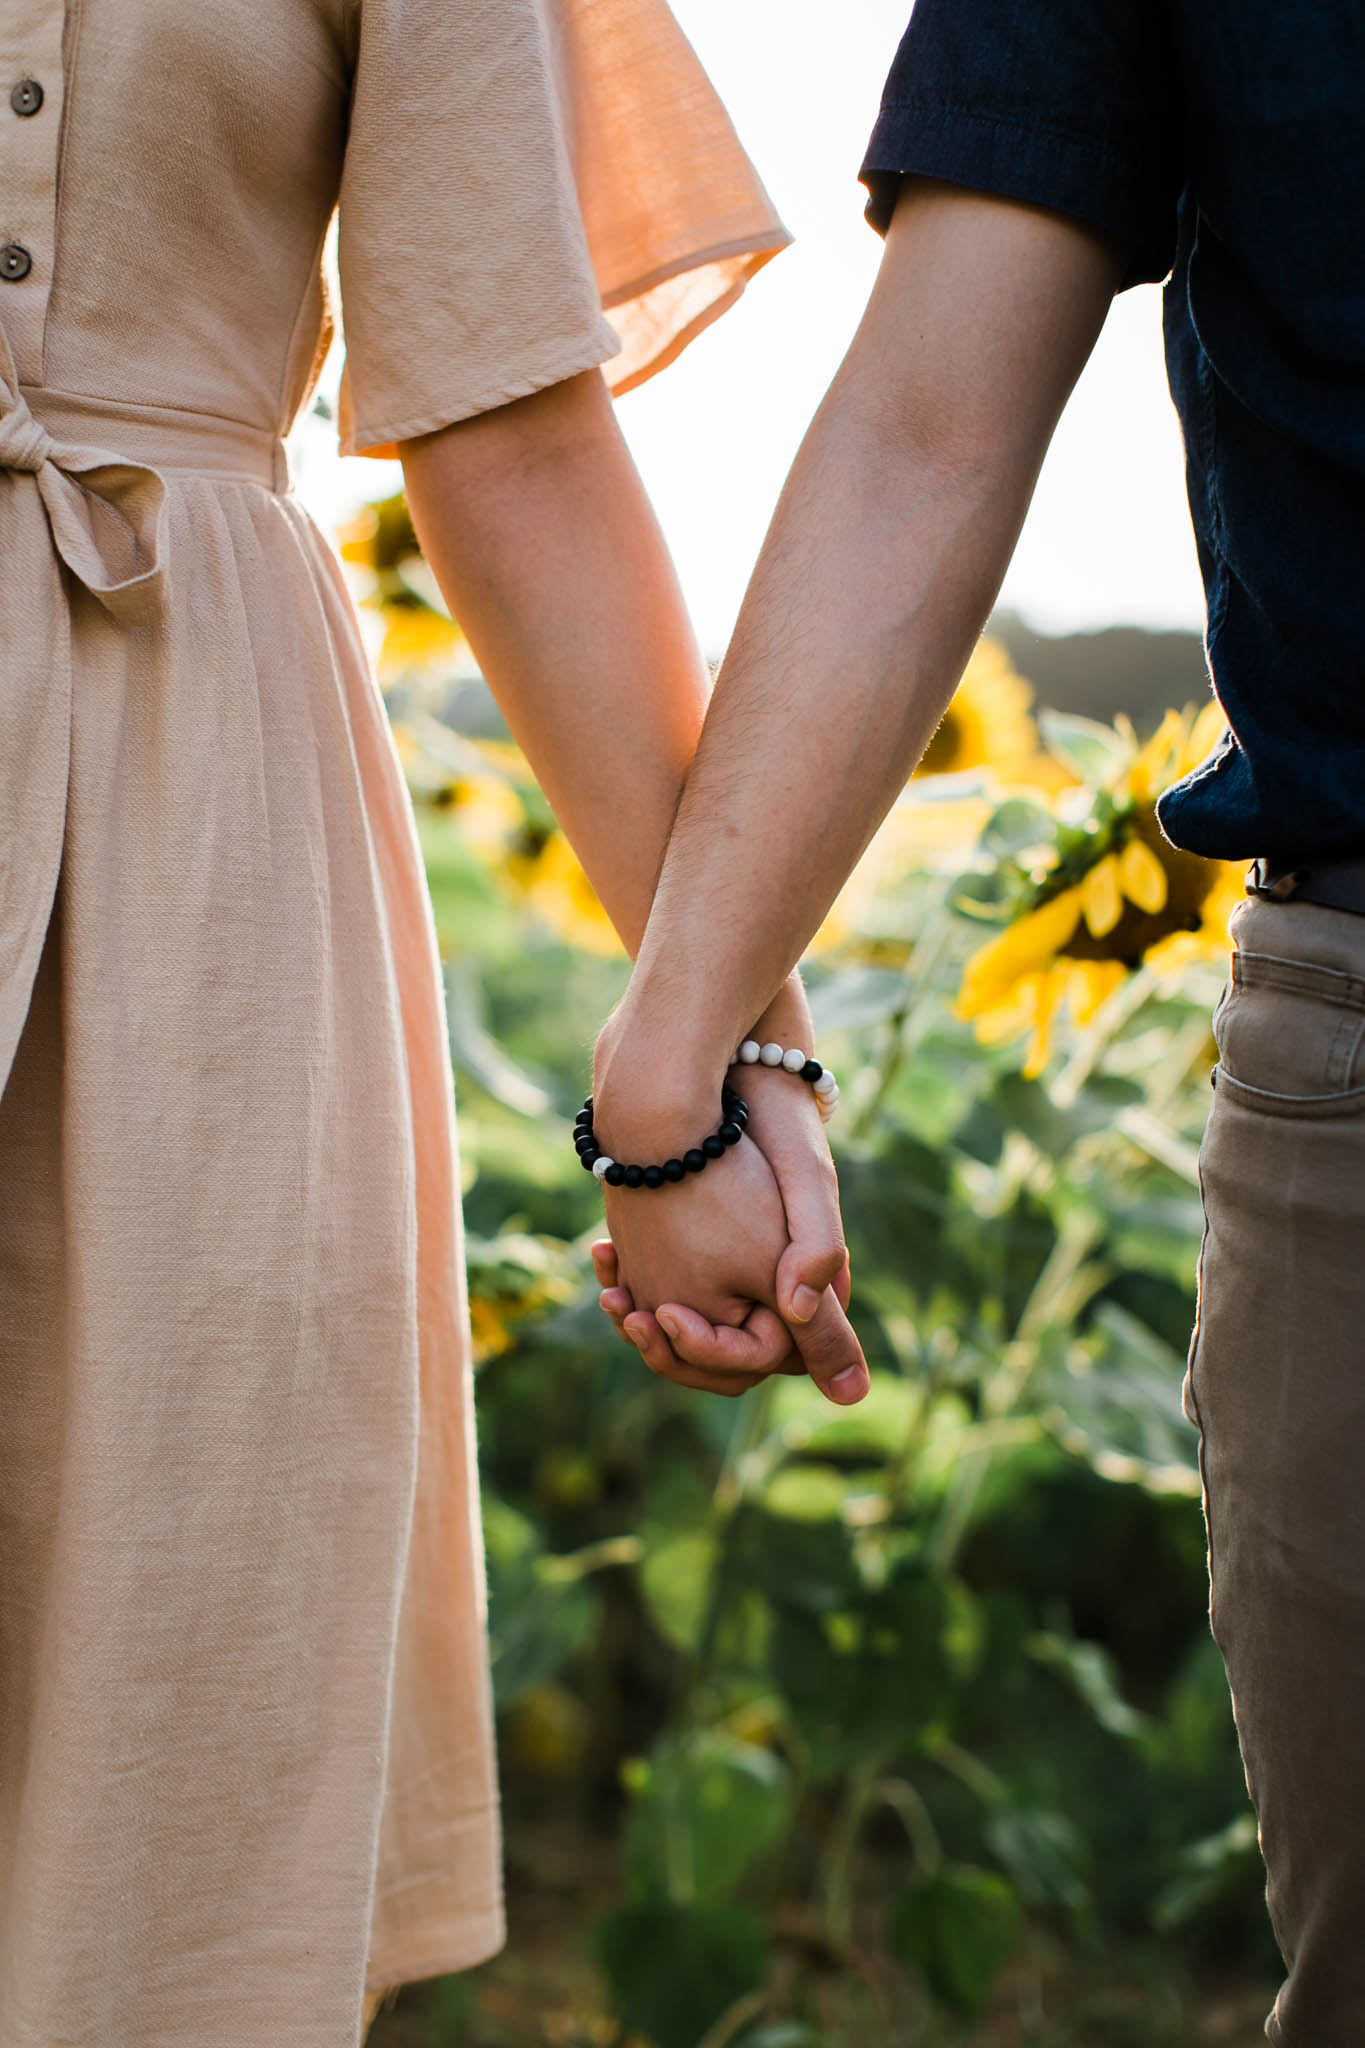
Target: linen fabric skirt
{"x":230,"y":1282}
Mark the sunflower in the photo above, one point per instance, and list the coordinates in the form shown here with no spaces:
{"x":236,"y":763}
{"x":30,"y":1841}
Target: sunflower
{"x":419,"y":635}
{"x":380,"y":537}
{"x":548,"y":874}
{"x":1116,"y":895}
{"x":988,"y":723}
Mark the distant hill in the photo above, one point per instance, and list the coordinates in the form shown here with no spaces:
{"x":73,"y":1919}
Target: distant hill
{"x":1096,"y":674}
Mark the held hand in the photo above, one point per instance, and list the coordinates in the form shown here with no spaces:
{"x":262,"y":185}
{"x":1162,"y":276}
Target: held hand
{"x":696,"y":1353}
{"x":715,"y":1239}
{"x":810,"y":1285}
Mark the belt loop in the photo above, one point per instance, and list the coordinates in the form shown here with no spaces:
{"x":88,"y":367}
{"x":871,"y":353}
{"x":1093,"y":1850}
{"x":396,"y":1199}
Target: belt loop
{"x":1262,"y":880}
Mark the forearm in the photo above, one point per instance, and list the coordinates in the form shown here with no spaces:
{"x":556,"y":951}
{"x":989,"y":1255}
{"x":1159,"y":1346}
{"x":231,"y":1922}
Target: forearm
{"x":872,"y":589}
{"x":539,"y":532}
{"x":880,"y":568}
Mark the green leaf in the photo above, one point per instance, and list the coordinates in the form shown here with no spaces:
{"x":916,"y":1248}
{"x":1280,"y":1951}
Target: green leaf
{"x":706,"y":1805}
{"x":1043,"y":1853}
{"x":676,"y":1576}
{"x":673,"y":1970}
{"x":1090,"y":1670}
{"x":806,"y":1493}
{"x":957,"y":1929}
{"x":478,"y":1053}
{"x":859,"y":996}
{"x":1091,"y":751}
{"x":781,"y":2034}
{"x":1026,"y":1106}
{"x":1018,"y":825}
{"x":1205,"y":1869}
{"x":877,"y":1427}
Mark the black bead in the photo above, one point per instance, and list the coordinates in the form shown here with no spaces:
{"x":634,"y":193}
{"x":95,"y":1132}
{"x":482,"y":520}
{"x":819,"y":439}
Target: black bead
{"x":584,"y":1117}
{"x":812,"y":1070}
{"x":585,"y":1142}
{"x":587,"y":1104}
{"x":694,"y":1160}
{"x":587,"y":1160}
{"x":635,"y":1176}
{"x":713,"y":1146}
{"x":654,"y":1176}
{"x":740,"y":1115}
{"x":674,"y":1169}
{"x":730,"y":1134}
{"x":614,"y":1175}
{"x":739,"y":1108}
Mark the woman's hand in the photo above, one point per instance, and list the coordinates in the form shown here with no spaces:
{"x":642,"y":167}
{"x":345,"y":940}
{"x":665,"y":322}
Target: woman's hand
{"x":713,"y":1241}
{"x":672,"y":1248}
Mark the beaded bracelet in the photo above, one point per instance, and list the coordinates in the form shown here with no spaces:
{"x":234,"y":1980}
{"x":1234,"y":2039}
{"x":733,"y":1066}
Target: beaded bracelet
{"x":794,"y":1061}
{"x":734,"y":1114}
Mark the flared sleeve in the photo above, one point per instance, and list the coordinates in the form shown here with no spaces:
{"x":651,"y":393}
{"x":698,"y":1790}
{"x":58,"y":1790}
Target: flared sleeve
{"x":531,"y":188}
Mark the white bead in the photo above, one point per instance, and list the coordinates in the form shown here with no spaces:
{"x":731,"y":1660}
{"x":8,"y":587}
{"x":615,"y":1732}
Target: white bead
{"x":749,"y":1052}
{"x":793,"y":1060}
{"x":826,"y":1085}
{"x":771,"y":1054}
{"x":599,"y":1166}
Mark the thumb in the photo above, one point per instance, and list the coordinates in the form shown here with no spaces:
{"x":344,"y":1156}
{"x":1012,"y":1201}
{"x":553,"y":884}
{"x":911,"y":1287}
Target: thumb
{"x":806,"y":1268}
{"x":831,"y":1353}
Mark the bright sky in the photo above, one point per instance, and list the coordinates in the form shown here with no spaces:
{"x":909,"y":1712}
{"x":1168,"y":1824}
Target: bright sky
{"x":1108,"y":539}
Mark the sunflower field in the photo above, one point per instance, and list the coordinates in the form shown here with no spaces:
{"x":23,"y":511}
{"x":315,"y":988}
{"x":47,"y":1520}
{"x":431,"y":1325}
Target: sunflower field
{"x":902,"y":1724}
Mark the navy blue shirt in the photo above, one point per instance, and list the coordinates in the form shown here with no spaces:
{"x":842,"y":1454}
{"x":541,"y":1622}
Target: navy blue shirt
{"x":1222,"y":142}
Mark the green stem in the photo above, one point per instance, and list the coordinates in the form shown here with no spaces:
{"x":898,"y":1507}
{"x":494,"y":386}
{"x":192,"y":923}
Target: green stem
{"x":843,"y":1840}
{"x":732,"y":1485}
{"x":906,"y":1020}
{"x":907,"y":1803}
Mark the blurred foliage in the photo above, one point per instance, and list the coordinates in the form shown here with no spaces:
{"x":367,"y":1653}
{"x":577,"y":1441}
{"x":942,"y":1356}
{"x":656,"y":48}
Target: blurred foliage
{"x":835,"y":1728}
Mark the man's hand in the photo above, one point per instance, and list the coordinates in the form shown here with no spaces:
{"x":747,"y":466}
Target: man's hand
{"x":679,"y":1344}
{"x":705,"y":1253}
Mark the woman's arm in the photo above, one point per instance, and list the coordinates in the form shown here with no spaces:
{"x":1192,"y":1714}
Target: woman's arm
{"x":539,"y":532}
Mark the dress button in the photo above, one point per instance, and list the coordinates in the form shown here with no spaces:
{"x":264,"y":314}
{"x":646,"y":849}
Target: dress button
{"x":15,"y":262}
{"x":27,"y":96}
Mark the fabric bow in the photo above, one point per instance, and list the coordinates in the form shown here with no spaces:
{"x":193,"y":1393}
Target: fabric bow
{"x":104,"y":518}
{"x":107,"y":515}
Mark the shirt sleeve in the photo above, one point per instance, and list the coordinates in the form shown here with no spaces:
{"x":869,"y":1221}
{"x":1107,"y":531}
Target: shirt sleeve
{"x":1072,"y":105}
{"x":515,"y":171}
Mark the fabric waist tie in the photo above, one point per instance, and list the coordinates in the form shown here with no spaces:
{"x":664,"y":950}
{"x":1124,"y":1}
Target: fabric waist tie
{"x":98,"y":474}
{"x":162,"y":437}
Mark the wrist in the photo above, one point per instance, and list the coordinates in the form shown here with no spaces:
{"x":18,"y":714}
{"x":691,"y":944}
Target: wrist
{"x":652,"y":1100}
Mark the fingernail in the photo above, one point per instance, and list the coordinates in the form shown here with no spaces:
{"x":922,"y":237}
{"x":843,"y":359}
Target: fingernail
{"x":805,"y":1301}
{"x":850,"y":1384}
{"x":670,"y":1325}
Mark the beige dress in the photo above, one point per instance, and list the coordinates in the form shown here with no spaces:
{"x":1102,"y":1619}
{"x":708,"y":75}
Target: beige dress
{"x":244,"y":1713}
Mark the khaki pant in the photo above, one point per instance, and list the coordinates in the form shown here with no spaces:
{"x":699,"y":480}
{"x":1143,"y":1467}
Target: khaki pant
{"x":1277,"y":1387}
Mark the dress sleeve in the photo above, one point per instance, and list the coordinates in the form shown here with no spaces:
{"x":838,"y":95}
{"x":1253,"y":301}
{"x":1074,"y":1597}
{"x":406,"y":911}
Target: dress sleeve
{"x":1074,"y":106}
{"x":515,"y":172}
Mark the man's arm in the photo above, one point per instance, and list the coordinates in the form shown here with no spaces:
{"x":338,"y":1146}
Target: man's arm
{"x":881,"y":565}
{"x":539,"y":532}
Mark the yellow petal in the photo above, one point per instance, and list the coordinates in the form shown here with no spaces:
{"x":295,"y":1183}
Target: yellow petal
{"x":1204,"y":735}
{"x":1151,"y":771}
{"x":416,"y":637}
{"x":1092,"y":983}
{"x":1143,"y":877}
{"x":1102,"y":896}
{"x":1031,"y":942}
{"x":1051,"y":989}
{"x":1012,"y":1017}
